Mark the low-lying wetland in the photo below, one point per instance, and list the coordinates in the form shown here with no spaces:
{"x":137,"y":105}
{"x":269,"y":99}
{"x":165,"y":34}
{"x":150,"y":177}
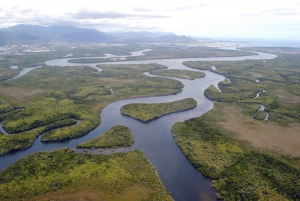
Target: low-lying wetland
{"x":184,"y":74}
{"x":116,"y":136}
{"x":147,"y":112}
{"x":65,"y":175}
{"x":242,"y":155}
{"x":212,"y":143}
{"x":67,"y":93}
{"x":248,"y":158}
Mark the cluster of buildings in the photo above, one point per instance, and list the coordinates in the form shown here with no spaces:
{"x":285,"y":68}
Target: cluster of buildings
{"x":63,"y":46}
{"x":53,"y":46}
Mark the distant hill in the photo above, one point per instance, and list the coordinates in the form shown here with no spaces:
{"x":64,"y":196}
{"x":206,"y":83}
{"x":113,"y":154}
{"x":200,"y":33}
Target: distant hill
{"x":28,"y":34}
{"x":178,"y":39}
{"x":24,"y":34}
{"x":134,"y":35}
{"x":31,"y":34}
{"x":89,"y":36}
{"x":63,"y":29}
{"x":3,"y":38}
{"x":171,"y":38}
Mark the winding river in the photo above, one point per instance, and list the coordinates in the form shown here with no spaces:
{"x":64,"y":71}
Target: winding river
{"x":153,"y":138}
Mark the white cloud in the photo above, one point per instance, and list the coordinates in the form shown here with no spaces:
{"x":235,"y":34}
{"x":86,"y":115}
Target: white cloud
{"x":208,"y":18}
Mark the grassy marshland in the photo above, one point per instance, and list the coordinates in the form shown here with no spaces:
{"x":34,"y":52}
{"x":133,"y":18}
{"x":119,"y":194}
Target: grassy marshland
{"x":54,"y":97}
{"x":116,"y":136}
{"x":147,"y":112}
{"x":164,"y":53}
{"x":277,"y":76}
{"x":233,"y":149}
{"x":184,"y":74}
{"x":248,"y":158}
{"x":65,"y":175}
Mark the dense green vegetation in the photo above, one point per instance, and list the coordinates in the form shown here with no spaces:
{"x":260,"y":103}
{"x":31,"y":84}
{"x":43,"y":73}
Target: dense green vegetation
{"x":96,"y":51}
{"x":147,"y":112}
{"x":167,"y":53}
{"x":240,"y":172}
{"x":116,"y":136}
{"x":248,"y":158}
{"x":245,"y":156}
{"x":54,"y":95}
{"x":31,"y":59}
{"x":25,"y":139}
{"x":194,"y":52}
{"x":65,"y":175}
{"x":184,"y":74}
{"x":277,"y":76}
{"x":260,"y":115}
{"x":24,"y":60}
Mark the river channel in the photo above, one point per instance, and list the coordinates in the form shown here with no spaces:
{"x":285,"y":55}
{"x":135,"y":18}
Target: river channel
{"x":153,"y":138}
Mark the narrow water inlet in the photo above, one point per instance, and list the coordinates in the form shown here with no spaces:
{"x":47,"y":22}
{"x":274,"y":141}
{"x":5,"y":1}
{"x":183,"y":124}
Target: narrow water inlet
{"x":153,"y":138}
{"x":2,"y":129}
{"x":257,"y":95}
{"x":262,"y":108}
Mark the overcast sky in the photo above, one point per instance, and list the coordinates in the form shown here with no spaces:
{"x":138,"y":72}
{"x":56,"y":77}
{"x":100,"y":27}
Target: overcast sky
{"x":203,"y":18}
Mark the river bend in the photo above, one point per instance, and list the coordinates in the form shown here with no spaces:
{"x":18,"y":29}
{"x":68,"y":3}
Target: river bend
{"x":153,"y":138}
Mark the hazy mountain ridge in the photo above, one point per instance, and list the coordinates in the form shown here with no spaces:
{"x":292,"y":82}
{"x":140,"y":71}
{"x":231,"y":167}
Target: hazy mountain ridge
{"x":4,"y":37}
{"x":29,"y":34}
{"x":142,"y":34}
{"x":170,"y":38}
{"x":26,"y":34}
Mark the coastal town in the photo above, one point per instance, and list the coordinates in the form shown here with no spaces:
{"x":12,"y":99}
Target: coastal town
{"x":64,"y":46}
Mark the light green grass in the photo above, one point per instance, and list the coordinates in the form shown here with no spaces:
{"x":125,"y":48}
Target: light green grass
{"x":184,"y":74}
{"x":64,"y":175}
{"x":240,"y":172}
{"x":147,"y":112}
{"x":70,"y":93}
{"x":116,"y":136}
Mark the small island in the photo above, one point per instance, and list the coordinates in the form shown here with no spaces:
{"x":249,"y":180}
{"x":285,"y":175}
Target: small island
{"x":66,"y":175}
{"x":147,"y":112}
{"x":116,"y":136}
{"x":184,"y":74}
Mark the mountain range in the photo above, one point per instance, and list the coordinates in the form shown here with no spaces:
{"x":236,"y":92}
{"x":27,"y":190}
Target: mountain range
{"x":30,"y":34}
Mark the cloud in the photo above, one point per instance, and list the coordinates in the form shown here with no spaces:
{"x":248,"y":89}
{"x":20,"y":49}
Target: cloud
{"x":282,"y":12}
{"x":277,"y":10}
{"x":110,"y":15}
{"x":138,"y":9}
{"x":249,"y":15}
{"x":110,"y":20}
{"x":287,"y":13}
{"x":106,"y":26}
{"x":189,"y":7}
{"x":26,"y":11}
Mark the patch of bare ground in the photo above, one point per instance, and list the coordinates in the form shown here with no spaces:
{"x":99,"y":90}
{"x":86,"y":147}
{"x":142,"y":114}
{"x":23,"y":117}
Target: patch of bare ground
{"x":50,"y":79}
{"x":285,"y":97}
{"x":261,"y":134}
{"x":256,"y":75}
{"x":287,"y":69}
{"x":183,"y":76}
{"x":117,"y":81}
{"x":119,"y":66}
{"x":295,"y":52}
{"x":135,"y":192}
{"x":86,"y":195}
{"x":186,"y":77}
{"x":20,"y":93}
